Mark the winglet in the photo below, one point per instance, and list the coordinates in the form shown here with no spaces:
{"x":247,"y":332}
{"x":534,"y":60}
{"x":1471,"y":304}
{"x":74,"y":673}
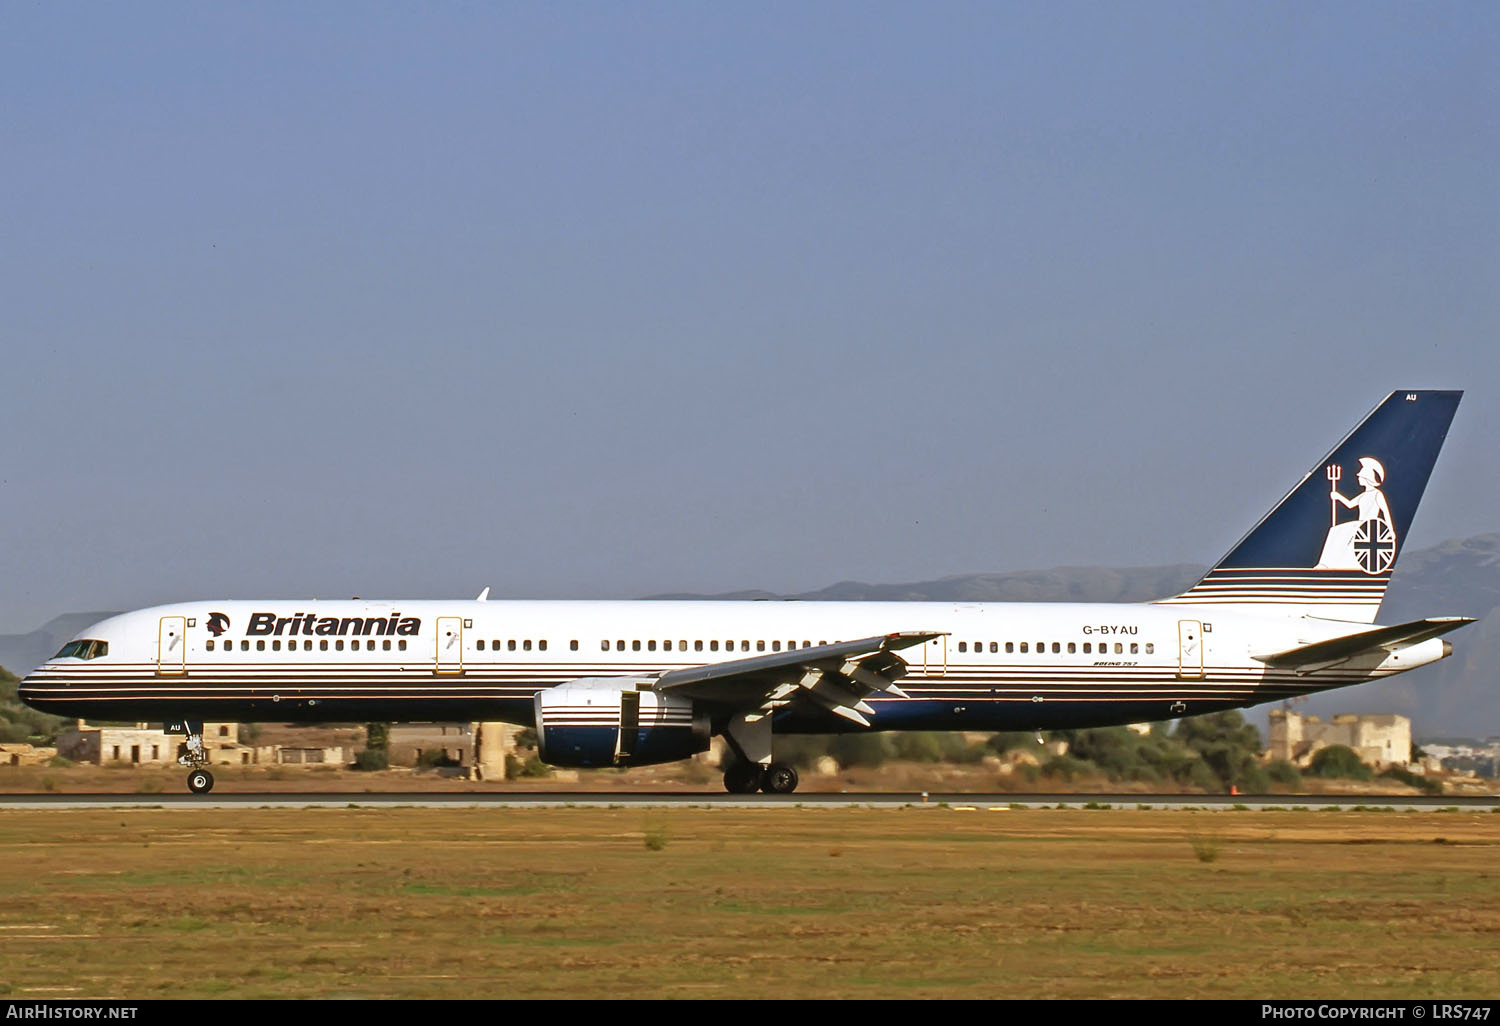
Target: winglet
{"x":484,"y":596}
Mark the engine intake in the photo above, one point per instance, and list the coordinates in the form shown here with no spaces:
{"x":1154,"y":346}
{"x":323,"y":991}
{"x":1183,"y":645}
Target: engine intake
{"x":608,"y":722}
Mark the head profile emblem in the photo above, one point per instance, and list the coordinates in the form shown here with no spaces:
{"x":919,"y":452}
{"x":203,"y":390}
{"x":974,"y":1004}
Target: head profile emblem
{"x":1367,"y":543}
{"x":217,"y":624}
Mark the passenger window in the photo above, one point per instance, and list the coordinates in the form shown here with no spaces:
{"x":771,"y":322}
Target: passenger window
{"x":210,"y":644}
{"x":1072,"y":647}
{"x":1023,"y":646}
{"x":697,"y":646}
{"x":511,"y":644}
{"x":1056,"y":647}
{"x":760,"y":646}
{"x":775,"y":646}
{"x":1010,"y":646}
{"x":479,"y":644}
{"x":386,"y":644}
{"x":323,"y":645}
{"x":745,"y":645}
{"x":1119,"y":649}
{"x":963,"y":646}
{"x":542,"y":644}
{"x":619,"y":645}
{"x":573,"y":645}
{"x":713,"y":646}
{"x":339,"y":644}
{"x":635,"y":646}
{"x":276,"y":646}
{"x":994,"y":647}
{"x":260,"y":646}
{"x":401,"y":644}
{"x":682,"y":646}
{"x":651,"y":645}
{"x":1134,"y":648}
{"x":526,"y":644}
{"x":604,"y":645}
{"x":1150,"y":648}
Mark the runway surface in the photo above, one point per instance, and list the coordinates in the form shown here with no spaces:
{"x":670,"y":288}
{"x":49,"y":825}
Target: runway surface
{"x":702,"y":799}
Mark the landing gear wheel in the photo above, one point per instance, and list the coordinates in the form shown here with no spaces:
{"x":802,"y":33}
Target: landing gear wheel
{"x":742,"y":778}
{"x":200,"y":781}
{"x":779,"y":779}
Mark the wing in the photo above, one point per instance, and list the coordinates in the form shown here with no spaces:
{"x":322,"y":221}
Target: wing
{"x":1335,"y":650}
{"x":837,"y":677}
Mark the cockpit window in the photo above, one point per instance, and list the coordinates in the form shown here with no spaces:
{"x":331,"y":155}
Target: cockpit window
{"x":83,"y":648}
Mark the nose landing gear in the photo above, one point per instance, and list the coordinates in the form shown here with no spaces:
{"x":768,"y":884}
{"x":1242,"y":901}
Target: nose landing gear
{"x":200,"y":780}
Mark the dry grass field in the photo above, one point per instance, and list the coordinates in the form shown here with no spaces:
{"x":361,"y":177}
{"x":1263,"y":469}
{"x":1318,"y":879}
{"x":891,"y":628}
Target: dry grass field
{"x":770,"y":903}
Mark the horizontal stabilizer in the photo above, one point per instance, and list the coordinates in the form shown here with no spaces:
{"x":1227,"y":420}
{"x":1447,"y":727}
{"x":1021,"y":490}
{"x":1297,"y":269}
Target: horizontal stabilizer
{"x":1350,"y":645}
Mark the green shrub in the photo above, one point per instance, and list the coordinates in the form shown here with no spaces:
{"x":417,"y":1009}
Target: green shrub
{"x":1066,"y":767}
{"x":1339,"y":762}
{"x":860,"y":749}
{"x":1284,"y":773}
{"x":372,"y":759}
{"x":1252,"y":779}
{"x":1411,"y":779}
{"x":377,"y":737}
{"x":530,"y":767}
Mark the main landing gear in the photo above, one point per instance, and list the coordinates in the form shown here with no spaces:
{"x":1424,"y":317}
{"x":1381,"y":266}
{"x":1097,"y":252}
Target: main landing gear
{"x":200,"y":780}
{"x":747,"y":778}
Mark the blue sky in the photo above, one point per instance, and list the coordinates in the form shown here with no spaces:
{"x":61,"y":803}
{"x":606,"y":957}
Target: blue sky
{"x":604,"y":300}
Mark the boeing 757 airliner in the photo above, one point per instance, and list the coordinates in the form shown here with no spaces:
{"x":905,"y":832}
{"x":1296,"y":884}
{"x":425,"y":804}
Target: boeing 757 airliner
{"x":1290,"y":610}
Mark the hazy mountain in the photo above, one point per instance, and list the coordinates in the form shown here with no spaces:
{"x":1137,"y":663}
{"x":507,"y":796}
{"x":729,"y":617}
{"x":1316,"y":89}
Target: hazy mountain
{"x":1456,"y":696}
{"x":22,"y":653}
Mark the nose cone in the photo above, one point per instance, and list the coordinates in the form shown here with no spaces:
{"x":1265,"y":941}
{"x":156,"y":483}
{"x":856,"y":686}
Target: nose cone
{"x":34,"y":690}
{"x":48,"y":689}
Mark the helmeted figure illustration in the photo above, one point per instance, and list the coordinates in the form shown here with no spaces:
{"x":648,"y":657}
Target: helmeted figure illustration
{"x":1368,"y":543}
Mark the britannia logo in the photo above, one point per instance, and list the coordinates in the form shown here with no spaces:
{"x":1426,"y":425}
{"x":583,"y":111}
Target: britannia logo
{"x":218,"y":623}
{"x":1367,"y":543}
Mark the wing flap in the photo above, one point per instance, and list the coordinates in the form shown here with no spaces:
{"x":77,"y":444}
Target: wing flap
{"x":836,"y":677}
{"x":1333,"y":650}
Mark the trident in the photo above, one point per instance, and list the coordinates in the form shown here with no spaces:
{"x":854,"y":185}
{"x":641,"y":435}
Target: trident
{"x":1334,"y":472}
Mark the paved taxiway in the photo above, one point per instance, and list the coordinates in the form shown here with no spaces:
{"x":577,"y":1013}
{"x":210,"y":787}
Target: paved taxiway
{"x":694,"y":799}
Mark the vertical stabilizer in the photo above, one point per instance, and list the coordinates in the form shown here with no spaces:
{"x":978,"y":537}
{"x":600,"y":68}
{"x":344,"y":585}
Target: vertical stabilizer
{"x":1328,"y":548}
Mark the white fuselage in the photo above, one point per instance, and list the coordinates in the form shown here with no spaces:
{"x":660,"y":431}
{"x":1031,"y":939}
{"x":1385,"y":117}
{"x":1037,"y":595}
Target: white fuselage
{"x":997,"y":666}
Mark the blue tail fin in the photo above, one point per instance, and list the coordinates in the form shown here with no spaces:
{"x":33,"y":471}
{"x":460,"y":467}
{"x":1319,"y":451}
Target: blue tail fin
{"x":1329,"y":547}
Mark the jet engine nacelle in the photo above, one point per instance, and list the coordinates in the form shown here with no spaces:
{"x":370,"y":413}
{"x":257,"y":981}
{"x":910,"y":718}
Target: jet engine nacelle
{"x":608,"y":721}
